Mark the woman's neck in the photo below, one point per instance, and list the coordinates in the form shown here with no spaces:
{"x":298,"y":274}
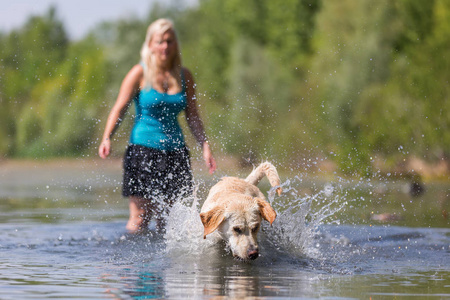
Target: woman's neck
{"x":163,"y":67}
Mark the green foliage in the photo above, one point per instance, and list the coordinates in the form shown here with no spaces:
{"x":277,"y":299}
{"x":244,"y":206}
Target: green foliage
{"x":29,"y":57}
{"x":259,"y":93}
{"x":375,"y":88}
{"x":349,"y":80}
{"x":55,"y":87}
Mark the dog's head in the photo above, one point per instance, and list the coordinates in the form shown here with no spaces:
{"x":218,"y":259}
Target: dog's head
{"x":238,"y":223}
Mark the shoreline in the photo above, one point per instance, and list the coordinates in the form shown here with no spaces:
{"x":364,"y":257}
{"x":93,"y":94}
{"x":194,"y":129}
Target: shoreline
{"x":227,"y":165}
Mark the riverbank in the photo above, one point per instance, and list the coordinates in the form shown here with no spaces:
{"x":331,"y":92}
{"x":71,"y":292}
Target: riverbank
{"x":12,"y":170}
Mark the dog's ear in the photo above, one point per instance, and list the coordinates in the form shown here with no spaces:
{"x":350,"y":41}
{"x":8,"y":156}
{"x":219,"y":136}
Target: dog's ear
{"x":212,"y":219}
{"x":267,"y":212}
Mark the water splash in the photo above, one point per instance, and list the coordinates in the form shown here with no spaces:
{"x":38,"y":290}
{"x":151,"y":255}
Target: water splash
{"x":184,"y":229}
{"x":299,"y":216}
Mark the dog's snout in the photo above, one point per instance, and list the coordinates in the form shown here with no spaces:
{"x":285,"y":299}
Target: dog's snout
{"x":253,"y":254}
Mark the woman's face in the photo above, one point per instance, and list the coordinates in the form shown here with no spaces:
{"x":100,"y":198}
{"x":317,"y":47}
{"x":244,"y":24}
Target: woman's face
{"x":164,"y":46}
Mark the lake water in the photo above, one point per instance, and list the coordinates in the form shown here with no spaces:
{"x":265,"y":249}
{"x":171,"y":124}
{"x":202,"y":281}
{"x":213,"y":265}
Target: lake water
{"x":62,"y":235}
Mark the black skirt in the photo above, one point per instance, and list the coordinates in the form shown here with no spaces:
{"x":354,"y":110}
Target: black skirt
{"x":157,"y":174}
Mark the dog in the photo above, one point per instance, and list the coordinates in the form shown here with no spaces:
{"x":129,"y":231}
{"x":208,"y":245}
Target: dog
{"x":235,"y":208}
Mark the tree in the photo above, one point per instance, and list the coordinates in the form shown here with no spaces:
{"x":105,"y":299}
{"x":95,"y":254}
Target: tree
{"x":29,"y":56}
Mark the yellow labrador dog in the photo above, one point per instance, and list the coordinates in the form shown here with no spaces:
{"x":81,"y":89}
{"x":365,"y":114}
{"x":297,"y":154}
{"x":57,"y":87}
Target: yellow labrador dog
{"x":235,"y":208}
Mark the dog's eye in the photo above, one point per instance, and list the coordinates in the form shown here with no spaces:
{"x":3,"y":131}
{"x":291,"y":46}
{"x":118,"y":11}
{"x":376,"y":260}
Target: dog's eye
{"x":255,"y":229}
{"x":237,"y":230}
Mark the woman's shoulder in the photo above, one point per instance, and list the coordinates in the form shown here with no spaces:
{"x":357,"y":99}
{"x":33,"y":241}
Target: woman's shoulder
{"x":187,"y":74}
{"x":137,"y":69}
{"x":136,"y":72}
{"x":134,"y":77}
{"x":186,"y":71}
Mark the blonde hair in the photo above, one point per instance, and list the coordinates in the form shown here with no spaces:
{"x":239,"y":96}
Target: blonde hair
{"x":159,"y":26}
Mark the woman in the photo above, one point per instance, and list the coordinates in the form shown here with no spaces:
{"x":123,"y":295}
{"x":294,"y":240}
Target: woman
{"x":156,"y":164}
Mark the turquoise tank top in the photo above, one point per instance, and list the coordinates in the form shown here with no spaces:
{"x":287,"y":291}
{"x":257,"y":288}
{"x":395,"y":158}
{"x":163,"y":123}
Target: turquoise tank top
{"x":156,"y":123}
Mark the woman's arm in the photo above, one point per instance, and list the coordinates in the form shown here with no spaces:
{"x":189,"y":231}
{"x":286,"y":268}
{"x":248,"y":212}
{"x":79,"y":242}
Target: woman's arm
{"x":195,"y":123}
{"x":128,"y":89}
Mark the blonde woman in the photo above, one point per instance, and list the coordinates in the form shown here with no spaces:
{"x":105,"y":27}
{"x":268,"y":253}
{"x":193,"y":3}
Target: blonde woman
{"x":156,"y":163}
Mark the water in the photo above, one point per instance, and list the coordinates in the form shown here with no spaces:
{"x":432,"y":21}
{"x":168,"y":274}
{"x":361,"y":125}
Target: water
{"x":62,"y":236}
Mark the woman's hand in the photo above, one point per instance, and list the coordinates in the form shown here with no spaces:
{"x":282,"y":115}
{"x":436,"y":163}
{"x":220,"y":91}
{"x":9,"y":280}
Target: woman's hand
{"x":208,"y":157}
{"x":196,"y":124}
{"x":105,"y":148}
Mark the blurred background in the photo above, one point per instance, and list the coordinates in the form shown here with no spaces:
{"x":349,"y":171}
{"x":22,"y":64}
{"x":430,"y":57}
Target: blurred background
{"x":351,"y":86}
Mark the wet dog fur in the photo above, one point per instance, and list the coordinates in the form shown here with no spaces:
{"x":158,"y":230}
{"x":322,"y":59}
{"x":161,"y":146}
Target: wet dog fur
{"x":235,"y":209}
